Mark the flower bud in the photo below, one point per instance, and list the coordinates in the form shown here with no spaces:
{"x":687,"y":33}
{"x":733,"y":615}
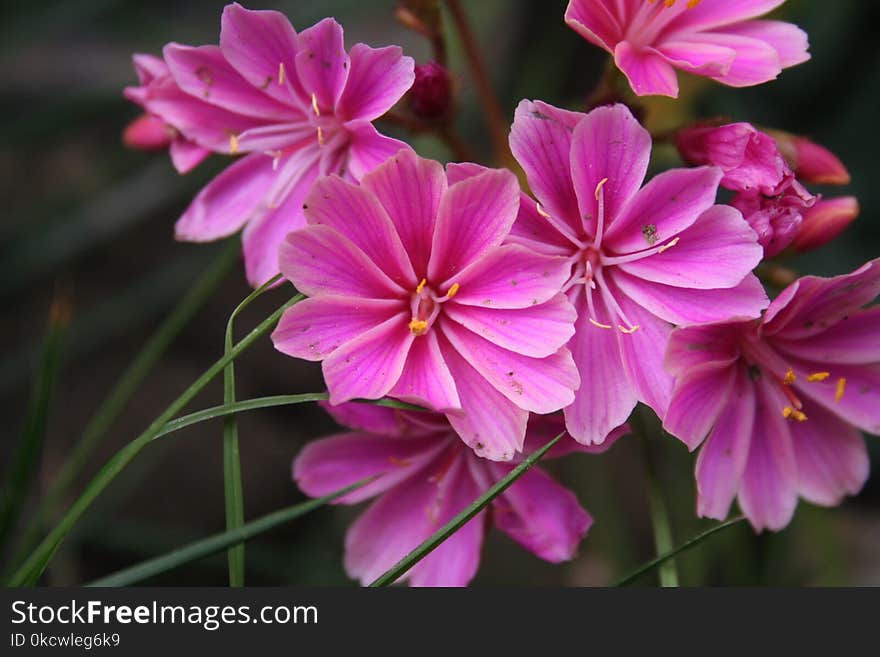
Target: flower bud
{"x":811,"y":162}
{"x":148,"y":133}
{"x":431,"y":94}
{"x":776,"y":219}
{"x":825,"y":221}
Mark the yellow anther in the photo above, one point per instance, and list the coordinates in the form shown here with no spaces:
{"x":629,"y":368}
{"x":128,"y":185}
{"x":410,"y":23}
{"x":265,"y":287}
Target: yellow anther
{"x":453,"y":290}
{"x":787,"y":411}
{"x":233,"y":144}
{"x":818,"y":376}
{"x":600,"y":186}
{"x":789,"y":377}
{"x":418,"y":326}
{"x":668,"y":245}
{"x":281,"y":74}
{"x":320,"y":136}
{"x":542,"y":211}
{"x":628,"y":331}
{"x":595,"y":323}
{"x":315,"y":104}
{"x":421,"y":286}
{"x":841,"y":388}
{"x":693,"y":3}
{"x":790,"y":413}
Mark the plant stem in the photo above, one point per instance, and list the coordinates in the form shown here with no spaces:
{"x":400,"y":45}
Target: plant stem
{"x":124,"y":389}
{"x":495,"y":119}
{"x":33,"y":567}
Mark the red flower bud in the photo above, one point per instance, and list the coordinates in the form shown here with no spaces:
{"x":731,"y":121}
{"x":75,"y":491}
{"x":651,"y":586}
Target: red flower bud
{"x":825,"y":221}
{"x":811,"y":162}
{"x":431,"y":94}
{"x":148,"y":133}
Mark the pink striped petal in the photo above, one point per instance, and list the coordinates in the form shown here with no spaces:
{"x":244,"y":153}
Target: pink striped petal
{"x":426,"y":379}
{"x":697,"y":400}
{"x":756,"y":61}
{"x":694,"y":346}
{"x":186,"y":155}
{"x":367,"y":148}
{"x":378,"y":78}
{"x":322,"y":63}
{"x":512,"y":276}
{"x":698,"y":58}
{"x":717,"y":251}
{"x":648,"y":72}
{"x":853,"y":340}
{"x":540,"y":385}
{"x":319,"y":260}
{"x":314,"y":328}
{"x":369,"y":366}
{"x":410,"y":188}
{"x":710,"y":14}
{"x":540,"y":514}
{"x":722,"y":460}
{"x":671,"y":202}
{"x":594,"y":21}
{"x":860,"y":402}
{"x":789,"y":41}
{"x":537,"y":331}
{"x":475,"y":216}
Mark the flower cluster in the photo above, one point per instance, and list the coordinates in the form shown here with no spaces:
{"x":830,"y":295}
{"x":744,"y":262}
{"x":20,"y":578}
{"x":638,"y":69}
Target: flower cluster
{"x":511,"y":316}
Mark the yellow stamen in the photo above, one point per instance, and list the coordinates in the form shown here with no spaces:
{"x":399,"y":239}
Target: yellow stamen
{"x":421,"y":286}
{"x":600,"y":186}
{"x":628,"y":331}
{"x":542,"y":211}
{"x":668,"y":245}
{"x":320,"y":136}
{"x":418,"y":326}
{"x":453,"y":290}
{"x":818,"y":376}
{"x":789,"y":377}
{"x":841,"y":388}
{"x":315,"y":104}
{"x":790,"y":413}
{"x":280,"y":74}
{"x":595,"y":323}
{"x":693,"y":3}
{"x":233,"y":144}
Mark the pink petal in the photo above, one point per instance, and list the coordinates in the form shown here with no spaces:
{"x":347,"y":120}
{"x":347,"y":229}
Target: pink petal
{"x":369,"y":366}
{"x":537,"y":331}
{"x":313,"y":328}
{"x":543,"y":428}
{"x":322,"y":63}
{"x":378,"y":78}
{"x":593,"y":21}
{"x":648,"y":72}
{"x":319,"y":260}
{"x":540,"y":385}
{"x":261,"y":46}
{"x":853,"y":340}
{"x":329,"y":464}
{"x":698,"y":58}
{"x":541,"y":142}
{"x":832,"y":458}
{"x":512,"y":276}
{"x":671,"y":202}
{"x":539,"y":514}
{"x":227,"y":202}
{"x":426,"y":379}
{"x":697,"y":400}
{"x":722,"y":459}
{"x":609,"y":144}
{"x":488,"y":423}
{"x":756,"y":62}
{"x":367,"y":148}
{"x":789,"y":41}
{"x":860,"y":403}
{"x":280,"y":137}
{"x":474,"y":216}
{"x":382,"y":420}
{"x":149,"y":67}
{"x":204,"y":73}
{"x":768,"y":495}
{"x":683,"y":306}
{"x":694,"y":346}
{"x":410,"y":188}
{"x":717,"y":251}
{"x":186,"y":155}
{"x":710,"y":14}
{"x":356,"y":213}
{"x":605,"y":397}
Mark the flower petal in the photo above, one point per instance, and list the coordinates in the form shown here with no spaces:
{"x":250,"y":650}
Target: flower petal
{"x":697,"y":400}
{"x":186,"y":155}
{"x":378,"y":78}
{"x":756,"y":61}
{"x":368,"y":148}
{"x":322,"y":63}
{"x":694,"y":346}
{"x":594,"y":21}
{"x":648,"y":72}
{"x":853,"y":340}
{"x":426,"y":379}
{"x":856,"y":400}
{"x":789,"y":41}
{"x":710,"y":14}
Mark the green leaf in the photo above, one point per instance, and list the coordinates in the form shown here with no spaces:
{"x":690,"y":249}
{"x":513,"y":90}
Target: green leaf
{"x":663,"y":558}
{"x":219,"y":542}
{"x":33,"y":567}
{"x":447,"y":530}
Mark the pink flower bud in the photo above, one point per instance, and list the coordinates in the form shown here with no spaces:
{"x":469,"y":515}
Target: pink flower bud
{"x":749,"y":158}
{"x":431,"y":94}
{"x":148,"y":133}
{"x":776,"y":219}
{"x":816,"y":164}
{"x":825,"y":221}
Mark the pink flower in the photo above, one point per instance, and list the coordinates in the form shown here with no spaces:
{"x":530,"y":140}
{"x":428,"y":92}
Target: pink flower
{"x":718,"y":39}
{"x":811,"y":162}
{"x":776,"y":219}
{"x":425,"y":477}
{"x":413,"y":296}
{"x":297,"y":104}
{"x":825,"y":221}
{"x":781,"y":399}
{"x":640,"y":260}
{"x":153,"y":132}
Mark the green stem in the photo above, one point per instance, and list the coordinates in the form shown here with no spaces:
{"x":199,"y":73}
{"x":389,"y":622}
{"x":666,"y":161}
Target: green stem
{"x":218,"y":542}
{"x":33,"y":567}
{"x":447,"y":530}
{"x":664,"y":558}
{"x":124,"y":389}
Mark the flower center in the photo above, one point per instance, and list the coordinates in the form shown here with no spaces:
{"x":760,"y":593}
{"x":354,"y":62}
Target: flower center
{"x":425,"y":306}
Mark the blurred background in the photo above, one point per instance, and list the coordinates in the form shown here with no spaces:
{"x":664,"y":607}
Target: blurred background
{"x":86,"y":229}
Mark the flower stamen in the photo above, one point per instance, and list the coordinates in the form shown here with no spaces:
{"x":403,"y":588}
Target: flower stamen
{"x":315,"y":104}
{"x":280,"y":74}
{"x":452,"y":290}
{"x":418,"y":326}
{"x":789,"y":377}
{"x":790,"y":413}
{"x":841,"y":388}
{"x":818,"y":376}
{"x":233,"y":144}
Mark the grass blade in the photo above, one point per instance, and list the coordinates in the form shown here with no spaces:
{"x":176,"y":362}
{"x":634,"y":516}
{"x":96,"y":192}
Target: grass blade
{"x":687,"y":545}
{"x":219,"y":542}
{"x":434,"y":541}
{"x":27,"y":457}
{"x":30,"y":571}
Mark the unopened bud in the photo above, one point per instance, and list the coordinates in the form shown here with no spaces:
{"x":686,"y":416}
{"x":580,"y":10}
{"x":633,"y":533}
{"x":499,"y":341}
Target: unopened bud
{"x":148,"y":133}
{"x":431,"y":94}
{"x":825,"y":221}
